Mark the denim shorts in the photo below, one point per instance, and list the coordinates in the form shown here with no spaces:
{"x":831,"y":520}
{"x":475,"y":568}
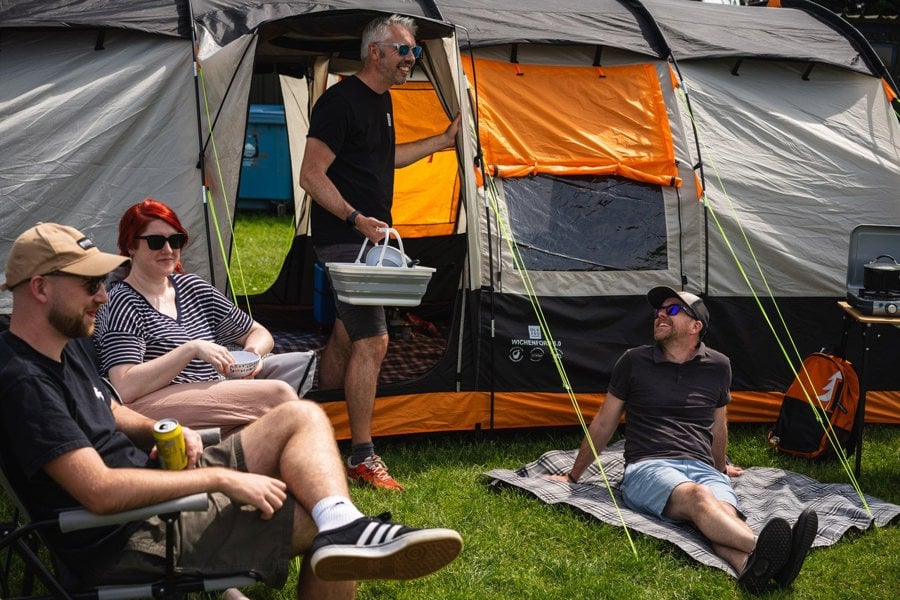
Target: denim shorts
{"x":647,"y":484}
{"x":224,"y":540}
{"x":361,"y":322}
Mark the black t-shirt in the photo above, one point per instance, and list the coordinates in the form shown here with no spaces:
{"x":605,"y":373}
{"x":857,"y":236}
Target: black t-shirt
{"x":46,"y":410}
{"x":670,"y":407}
{"x":357,"y":124}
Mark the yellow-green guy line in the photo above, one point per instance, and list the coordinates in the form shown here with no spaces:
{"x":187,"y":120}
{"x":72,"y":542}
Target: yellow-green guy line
{"x":506,"y":234}
{"x":211,"y":204}
{"x":811,"y":398}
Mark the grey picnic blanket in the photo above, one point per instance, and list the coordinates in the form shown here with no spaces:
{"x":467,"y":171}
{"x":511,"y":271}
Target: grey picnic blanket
{"x":763,"y":493}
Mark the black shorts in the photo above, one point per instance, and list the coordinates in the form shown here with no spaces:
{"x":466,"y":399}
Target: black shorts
{"x":360,"y":321}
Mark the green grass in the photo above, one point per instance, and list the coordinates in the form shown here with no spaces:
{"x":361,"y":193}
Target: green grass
{"x":261,"y":243}
{"x":520,"y":548}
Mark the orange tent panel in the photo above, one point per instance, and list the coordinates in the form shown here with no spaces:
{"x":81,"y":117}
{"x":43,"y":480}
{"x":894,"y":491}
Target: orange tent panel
{"x":426,"y":193}
{"x":574,"y":121}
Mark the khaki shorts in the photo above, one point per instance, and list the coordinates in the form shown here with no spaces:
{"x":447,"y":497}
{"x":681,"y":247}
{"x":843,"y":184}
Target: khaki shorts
{"x":224,"y":540}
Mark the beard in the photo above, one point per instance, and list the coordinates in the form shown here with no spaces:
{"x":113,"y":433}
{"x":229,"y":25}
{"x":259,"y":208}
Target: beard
{"x":670,"y":335}
{"x":70,"y":325}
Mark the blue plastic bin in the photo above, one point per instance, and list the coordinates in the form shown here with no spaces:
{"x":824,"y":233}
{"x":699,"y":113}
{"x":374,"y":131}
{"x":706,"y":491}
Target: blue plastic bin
{"x":266,"y":165}
{"x":323,"y":297}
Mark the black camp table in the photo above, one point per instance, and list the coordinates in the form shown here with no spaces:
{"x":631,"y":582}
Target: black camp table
{"x":869,"y":326}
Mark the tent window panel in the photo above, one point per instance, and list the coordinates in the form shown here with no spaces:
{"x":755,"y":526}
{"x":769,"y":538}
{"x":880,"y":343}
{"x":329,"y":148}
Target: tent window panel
{"x":602,"y":223}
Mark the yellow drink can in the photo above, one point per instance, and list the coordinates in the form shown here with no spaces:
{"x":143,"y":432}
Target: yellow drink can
{"x":170,"y":444}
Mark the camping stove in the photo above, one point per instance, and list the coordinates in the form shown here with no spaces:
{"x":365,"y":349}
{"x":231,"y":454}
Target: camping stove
{"x":867,"y":242}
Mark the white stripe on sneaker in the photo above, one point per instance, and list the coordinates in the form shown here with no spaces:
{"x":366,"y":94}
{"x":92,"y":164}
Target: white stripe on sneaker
{"x":377,"y":533}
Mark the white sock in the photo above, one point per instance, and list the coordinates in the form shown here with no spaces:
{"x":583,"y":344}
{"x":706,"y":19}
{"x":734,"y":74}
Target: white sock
{"x":334,"y":511}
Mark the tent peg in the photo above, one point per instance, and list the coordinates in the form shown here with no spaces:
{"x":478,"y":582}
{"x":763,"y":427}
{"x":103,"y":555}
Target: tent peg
{"x":598,"y":53}
{"x":514,"y":58}
{"x":808,"y":71}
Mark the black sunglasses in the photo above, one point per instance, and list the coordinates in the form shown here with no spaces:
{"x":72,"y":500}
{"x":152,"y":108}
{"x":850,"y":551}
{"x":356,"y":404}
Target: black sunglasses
{"x":673,"y":309}
{"x":403,"y":49}
{"x":156,"y":242}
{"x":91,"y":284}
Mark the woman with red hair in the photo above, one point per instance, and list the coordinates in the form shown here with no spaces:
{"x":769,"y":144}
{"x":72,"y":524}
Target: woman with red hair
{"x":163,"y":338}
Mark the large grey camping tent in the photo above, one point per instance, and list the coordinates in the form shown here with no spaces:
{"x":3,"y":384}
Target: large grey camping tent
{"x":710,"y":139}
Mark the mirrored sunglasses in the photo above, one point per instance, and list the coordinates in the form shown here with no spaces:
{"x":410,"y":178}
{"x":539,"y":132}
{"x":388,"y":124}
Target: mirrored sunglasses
{"x":673,"y":309}
{"x":403,"y":49}
{"x":91,"y":284}
{"x":156,"y":242}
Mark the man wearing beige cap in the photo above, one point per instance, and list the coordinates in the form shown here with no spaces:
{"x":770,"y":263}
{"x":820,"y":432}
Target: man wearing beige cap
{"x":65,"y":442}
{"x":51,"y":249}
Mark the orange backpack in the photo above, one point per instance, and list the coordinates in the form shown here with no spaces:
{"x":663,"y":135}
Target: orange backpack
{"x":821,"y":403}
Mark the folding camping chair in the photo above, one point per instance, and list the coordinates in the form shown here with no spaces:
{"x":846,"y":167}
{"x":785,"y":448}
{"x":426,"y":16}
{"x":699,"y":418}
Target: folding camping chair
{"x":21,"y":538}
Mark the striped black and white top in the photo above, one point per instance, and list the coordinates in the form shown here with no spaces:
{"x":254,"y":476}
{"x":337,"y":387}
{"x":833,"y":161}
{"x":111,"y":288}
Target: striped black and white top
{"x":130,"y":331}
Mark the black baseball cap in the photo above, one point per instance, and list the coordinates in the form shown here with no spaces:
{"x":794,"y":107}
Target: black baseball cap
{"x":695,"y":303}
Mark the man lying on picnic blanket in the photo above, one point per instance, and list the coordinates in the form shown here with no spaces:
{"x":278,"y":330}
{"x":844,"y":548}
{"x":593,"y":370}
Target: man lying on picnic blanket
{"x":675,"y":393}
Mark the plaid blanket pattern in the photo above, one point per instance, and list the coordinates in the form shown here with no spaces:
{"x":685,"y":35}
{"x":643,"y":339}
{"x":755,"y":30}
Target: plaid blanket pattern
{"x":405,"y":359}
{"x":763,"y":493}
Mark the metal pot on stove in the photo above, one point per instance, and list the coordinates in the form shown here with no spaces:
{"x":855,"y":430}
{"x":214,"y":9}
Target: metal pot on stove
{"x":882,"y":275}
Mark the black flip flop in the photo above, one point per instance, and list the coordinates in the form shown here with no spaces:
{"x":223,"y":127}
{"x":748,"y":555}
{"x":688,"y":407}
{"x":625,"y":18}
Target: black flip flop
{"x":768,"y":558}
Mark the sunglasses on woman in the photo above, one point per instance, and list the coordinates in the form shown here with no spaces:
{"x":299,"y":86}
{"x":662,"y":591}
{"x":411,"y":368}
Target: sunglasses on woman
{"x":156,"y":242}
{"x":404,"y":49}
{"x":673,"y":309}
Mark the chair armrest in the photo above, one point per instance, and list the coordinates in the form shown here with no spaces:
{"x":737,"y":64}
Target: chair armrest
{"x":75,"y":520}
{"x":210,"y":436}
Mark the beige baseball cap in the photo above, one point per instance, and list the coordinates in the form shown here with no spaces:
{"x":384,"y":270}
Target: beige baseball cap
{"x":49,"y":247}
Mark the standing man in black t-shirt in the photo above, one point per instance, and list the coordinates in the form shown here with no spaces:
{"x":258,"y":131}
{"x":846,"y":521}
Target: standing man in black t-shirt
{"x":348,"y":169}
{"x":276,"y":488}
{"x":674,"y":395}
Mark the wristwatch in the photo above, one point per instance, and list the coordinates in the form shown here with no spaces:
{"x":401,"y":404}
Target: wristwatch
{"x":351,"y":218}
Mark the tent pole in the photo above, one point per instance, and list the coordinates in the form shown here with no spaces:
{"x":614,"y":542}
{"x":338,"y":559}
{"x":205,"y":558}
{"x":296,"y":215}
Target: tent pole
{"x":201,"y":163}
{"x":479,"y":159}
{"x":662,"y":46}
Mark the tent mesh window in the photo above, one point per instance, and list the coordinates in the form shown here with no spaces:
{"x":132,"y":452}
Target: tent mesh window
{"x":602,"y":223}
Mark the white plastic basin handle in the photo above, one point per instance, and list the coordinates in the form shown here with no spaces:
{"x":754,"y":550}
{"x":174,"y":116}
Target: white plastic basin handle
{"x":388,"y":231}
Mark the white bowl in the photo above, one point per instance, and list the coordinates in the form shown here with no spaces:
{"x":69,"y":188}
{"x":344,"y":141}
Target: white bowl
{"x":244,"y":364}
{"x":392,"y":257}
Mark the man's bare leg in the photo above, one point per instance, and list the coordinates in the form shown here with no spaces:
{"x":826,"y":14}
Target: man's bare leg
{"x":295,"y":442}
{"x":360,"y":383}
{"x":731,"y":537}
{"x":334,"y":359}
{"x":308,"y":585}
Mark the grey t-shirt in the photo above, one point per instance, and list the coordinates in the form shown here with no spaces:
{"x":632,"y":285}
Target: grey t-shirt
{"x":670,"y":407}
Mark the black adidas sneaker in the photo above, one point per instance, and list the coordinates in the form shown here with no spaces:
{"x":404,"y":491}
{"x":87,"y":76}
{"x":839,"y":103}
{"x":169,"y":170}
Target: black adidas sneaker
{"x":376,"y":548}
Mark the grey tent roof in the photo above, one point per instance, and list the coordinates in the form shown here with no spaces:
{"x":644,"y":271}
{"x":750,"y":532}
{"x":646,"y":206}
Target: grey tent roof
{"x":597,"y":22}
{"x":692,"y":30}
{"x":224,"y":19}
{"x":696,"y":30}
{"x":162,"y":17}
